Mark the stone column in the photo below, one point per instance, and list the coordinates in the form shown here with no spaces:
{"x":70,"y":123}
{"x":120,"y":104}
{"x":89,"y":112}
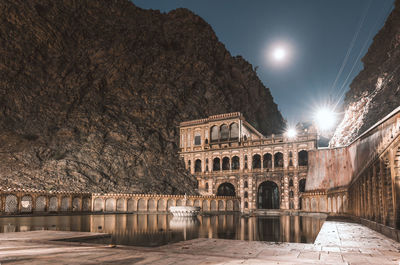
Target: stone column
{"x":241,"y":194}
{"x":286,"y":192}
{"x":33,"y":196}
{"x":273,"y":160}
{"x":251,"y":199}
{"x":296,"y":191}
{"x":19,"y":199}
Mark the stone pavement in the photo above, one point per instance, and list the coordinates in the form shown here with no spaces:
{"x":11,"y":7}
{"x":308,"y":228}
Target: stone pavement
{"x":337,"y":243}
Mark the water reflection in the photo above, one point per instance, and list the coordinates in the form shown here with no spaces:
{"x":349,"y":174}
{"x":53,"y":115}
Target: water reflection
{"x":160,"y":229}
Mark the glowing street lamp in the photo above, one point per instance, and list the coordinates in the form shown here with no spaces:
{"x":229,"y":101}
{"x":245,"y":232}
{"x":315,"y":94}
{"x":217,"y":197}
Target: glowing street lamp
{"x":325,"y":118}
{"x":291,"y":133}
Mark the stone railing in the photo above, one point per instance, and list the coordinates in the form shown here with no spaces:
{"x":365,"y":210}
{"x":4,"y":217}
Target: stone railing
{"x":26,"y":201}
{"x":160,"y":203}
{"x":332,"y":201}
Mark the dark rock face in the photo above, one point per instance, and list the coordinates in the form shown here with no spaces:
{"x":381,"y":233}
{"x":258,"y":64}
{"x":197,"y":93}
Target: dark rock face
{"x":92,"y":92}
{"x":375,"y":92}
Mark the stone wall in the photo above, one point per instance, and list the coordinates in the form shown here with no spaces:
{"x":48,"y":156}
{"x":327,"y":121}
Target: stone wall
{"x":331,"y":168}
{"x":361,"y":180}
{"x":23,"y":201}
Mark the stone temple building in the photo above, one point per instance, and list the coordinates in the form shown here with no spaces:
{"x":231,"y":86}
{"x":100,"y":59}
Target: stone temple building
{"x":229,"y":157}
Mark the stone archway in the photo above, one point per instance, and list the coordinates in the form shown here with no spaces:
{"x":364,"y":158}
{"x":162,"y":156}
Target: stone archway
{"x":226,"y":189}
{"x":268,"y":195}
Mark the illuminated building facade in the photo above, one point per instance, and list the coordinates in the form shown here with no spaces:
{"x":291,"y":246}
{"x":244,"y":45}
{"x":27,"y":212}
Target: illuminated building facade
{"x":229,"y":157}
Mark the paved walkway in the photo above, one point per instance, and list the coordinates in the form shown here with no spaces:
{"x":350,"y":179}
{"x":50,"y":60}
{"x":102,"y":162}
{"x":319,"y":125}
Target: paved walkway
{"x":337,"y":243}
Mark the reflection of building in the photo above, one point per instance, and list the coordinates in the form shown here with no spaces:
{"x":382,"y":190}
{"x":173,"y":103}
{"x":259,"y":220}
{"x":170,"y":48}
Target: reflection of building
{"x":230,"y":157}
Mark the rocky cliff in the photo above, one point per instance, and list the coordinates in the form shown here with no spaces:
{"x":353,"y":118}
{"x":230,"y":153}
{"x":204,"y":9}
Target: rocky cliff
{"x":375,"y":91}
{"x":92,"y":92}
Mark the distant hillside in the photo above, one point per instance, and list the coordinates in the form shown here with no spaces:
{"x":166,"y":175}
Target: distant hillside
{"x":92,"y":93}
{"x":375,"y":91}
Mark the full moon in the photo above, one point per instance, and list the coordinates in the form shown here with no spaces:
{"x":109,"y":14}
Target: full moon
{"x":279,"y":54}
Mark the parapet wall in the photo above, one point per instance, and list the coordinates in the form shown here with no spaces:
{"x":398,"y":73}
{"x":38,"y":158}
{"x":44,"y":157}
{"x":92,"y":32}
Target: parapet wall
{"x":25,"y":201}
{"x":328,"y":168}
{"x":361,"y":180}
{"x":337,"y":167}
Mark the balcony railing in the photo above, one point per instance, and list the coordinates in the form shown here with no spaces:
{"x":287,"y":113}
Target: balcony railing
{"x":253,"y":170}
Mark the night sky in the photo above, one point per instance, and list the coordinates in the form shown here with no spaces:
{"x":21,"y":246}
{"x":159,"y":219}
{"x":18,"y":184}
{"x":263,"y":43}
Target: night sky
{"x":316,"y":34}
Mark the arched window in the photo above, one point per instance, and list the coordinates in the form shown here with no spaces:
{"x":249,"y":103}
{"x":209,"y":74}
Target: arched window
{"x":206,"y":164}
{"x":214,"y":134}
{"x":291,"y":194}
{"x":189,"y":164}
{"x":197,"y":165}
{"x":246,"y":205}
{"x":303,"y":158}
{"x":216,"y":164}
{"x":226,"y":189}
{"x":234,"y":128}
{"x":225,"y":163}
{"x":235,"y":163}
{"x":206,"y":186}
{"x":290,"y":154}
{"x":197,"y":138}
{"x":224,"y":132}
{"x":256,"y":161}
{"x":246,"y":194}
{"x":290,"y":182}
{"x":267,"y":160}
{"x":246,"y":185}
{"x":290,"y":162}
{"x":278,"y":159}
{"x":302,"y":185}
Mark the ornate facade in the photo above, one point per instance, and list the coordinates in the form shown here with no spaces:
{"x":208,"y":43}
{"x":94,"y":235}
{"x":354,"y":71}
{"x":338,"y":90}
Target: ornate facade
{"x":229,"y":157}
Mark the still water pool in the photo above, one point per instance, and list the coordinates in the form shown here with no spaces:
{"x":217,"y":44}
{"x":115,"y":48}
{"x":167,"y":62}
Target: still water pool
{"x":160,"y":229}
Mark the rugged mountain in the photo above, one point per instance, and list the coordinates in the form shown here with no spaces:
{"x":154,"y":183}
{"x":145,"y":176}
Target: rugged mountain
{"x":375,"y":91}
{"x":92,"y":92}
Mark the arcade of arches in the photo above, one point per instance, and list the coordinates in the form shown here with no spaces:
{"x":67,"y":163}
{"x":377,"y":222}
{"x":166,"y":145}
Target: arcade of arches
{"x":231,"y":158}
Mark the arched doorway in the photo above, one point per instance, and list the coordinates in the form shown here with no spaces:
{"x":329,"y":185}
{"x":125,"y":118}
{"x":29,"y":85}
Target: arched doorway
{"x":226,"y":189}
{"x":303,"y":158}
{"x":256,"y":161}
{"x":267,"y":160}
{"x":235,"y":163}
{"x":268,"y":195}
{"x":197,"y":165}
{"x":225,"y":163}
{"x":216,"y":164}
{"x":278,"y":157}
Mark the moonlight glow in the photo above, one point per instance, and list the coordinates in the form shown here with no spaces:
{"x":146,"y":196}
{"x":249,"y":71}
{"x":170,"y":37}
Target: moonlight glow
{"x":279,"y":54}
{"x":325,"y":118}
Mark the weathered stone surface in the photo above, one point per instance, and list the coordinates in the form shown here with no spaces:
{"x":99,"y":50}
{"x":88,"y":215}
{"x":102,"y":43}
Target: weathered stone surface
{"x":337,"y":243}
{"x":92,"y":92}
{"x":375,"y":91}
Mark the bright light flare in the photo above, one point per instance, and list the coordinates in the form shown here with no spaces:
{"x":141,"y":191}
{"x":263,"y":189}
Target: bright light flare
{"x":325,"y":118}
{"x":291,"y":133}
